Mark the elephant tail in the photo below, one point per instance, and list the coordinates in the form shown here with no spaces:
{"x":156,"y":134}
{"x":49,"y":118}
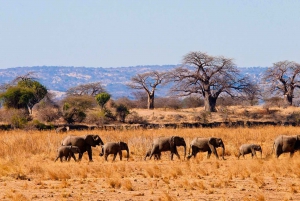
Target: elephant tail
{"x":190,"y":147}
{"x":273,"y":148}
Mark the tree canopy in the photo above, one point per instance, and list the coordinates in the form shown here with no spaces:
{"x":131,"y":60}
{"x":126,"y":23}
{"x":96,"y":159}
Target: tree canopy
{"x":102,"y":99}
{"x":283,"y":78}
{"x":209,"y":76}
{"x":23,"y":95}
{"x":90,"y":89}
{"x":148,"y":82}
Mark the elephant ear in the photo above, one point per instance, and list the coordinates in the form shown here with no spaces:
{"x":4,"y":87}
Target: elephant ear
{"x":123,"y":145}
{"x":172,"y":141}
{"x":90,"y":140}
{"x":212,"y":141}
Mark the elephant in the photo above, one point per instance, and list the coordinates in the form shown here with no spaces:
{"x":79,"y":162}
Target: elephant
{"x":208,"y":145}
{"x":62,"y":129}
{"x":84,"y":143}
{"x":114,"y":148}
{"x":155,"y":155}
{"x":67,"y":152}
{"x":162,"y":144}
{"x":249,"y":148}
{"x":284,"y":144}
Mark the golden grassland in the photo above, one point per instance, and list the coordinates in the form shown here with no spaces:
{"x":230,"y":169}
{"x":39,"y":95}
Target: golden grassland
{"x":27,"y":170}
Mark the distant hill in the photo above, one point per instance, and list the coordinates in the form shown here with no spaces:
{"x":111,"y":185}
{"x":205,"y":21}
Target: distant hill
{"x":61,"y":78}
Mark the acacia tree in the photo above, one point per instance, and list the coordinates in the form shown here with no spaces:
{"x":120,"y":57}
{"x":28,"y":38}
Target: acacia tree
{"x":209,"y":76}
{"x":148,"y":82}
{"x":102,"y":99}
{"x":23,"y":93}
{"x":90,"y":89}
{"x":283,"y":78}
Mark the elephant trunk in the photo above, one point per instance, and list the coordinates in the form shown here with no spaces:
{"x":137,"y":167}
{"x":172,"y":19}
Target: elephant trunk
{"x":127,"y":153}
{"x":223,"y":152}
{"x":261,"y":154}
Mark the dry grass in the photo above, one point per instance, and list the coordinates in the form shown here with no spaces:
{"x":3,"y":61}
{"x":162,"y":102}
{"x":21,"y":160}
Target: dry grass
{"x":229,"y":113}
{"x":27,"y":170}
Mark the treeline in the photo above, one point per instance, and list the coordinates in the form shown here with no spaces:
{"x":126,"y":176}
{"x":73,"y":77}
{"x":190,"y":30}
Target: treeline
{"x":201,"y":80}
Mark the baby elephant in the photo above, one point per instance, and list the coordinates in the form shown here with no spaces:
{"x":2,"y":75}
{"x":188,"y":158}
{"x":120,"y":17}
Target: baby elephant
{"x":114,"y":148}
{"x":249,"y":148}
{"x":67,"y":152}
{"x":155,"y":155}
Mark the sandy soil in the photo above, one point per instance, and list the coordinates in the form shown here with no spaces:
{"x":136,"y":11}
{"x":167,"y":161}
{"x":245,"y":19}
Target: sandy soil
{"x":197,"y":179}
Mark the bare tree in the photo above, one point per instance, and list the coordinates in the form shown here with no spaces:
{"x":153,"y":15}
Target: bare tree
{"x":90,"y":89}
{"x":208,"y":76}
{"x":283,"y":78}
{"x":148,"y":82}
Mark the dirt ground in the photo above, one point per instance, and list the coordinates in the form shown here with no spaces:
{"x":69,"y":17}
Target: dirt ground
{"x":197,"y":179}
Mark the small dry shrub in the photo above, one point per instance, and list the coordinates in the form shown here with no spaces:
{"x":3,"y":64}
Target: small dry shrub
{"x":13,"y":196}
{"x":134,"y":118}
{"x":58,"y":173}
{"x":127,"y":185}
{"x":48,"y":114}
{"x":114,"y":182}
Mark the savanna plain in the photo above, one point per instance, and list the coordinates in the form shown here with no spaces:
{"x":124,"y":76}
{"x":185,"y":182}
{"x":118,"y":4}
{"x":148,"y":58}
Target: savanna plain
{"x":28,"y":170}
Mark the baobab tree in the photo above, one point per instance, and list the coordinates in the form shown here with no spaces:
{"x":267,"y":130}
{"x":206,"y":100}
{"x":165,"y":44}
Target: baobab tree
{"x":148,"y":82}
{"x":209,"y":76}
{"x":283,"y":78}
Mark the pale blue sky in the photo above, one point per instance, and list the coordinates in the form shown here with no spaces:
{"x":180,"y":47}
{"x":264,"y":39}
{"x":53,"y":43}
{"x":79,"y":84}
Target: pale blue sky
{"x":95,"y":33}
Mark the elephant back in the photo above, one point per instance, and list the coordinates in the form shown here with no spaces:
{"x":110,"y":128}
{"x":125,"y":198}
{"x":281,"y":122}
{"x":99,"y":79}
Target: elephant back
{"x":74,"y":141}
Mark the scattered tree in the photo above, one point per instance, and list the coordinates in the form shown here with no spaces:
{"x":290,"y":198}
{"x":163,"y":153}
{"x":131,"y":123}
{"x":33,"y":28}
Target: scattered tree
{"x":283,"y":78}
{"x":23,"y":93}
{"x":74,"y":107}
{"x":122,"y":112}
{"x":209,"y":76}
{"x":148,"y":82}
{"x":90,"y":89}
{"x":102,"y":99}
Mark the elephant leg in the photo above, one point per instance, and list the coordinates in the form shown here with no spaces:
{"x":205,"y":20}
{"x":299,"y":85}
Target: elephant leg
{"x":239,"y":155}
{"x":115,"y":155}
{"x":80,"y":157}
{"x":208,"y":154}
{"x":176,"y":152}
{"x":147,"y":155}
{"x":61,"y":159}
{"x":56,"y":158}
{"x":195,"y":154}
{"x":120,"y":154}
{"x":73,"y":156}
{"x":292,"y":154}
{"x":215,"y":152}
{"x":278,"y":151}
{"x":105,"y":156}
{"x":89,"y":150}
{"x":153,"y":151}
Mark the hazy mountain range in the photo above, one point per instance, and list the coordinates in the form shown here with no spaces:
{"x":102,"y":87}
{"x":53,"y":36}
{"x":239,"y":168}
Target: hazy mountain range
{"x":61,"y":78}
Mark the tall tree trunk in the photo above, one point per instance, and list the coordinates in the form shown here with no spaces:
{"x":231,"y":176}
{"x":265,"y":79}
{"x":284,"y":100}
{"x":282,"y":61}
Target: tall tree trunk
{"x":210,"y":103}
{"x":151,"y":101}
{"x":288,"y":100}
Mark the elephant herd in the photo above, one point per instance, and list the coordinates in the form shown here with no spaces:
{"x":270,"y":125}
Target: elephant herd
{"x":80,"y":144}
